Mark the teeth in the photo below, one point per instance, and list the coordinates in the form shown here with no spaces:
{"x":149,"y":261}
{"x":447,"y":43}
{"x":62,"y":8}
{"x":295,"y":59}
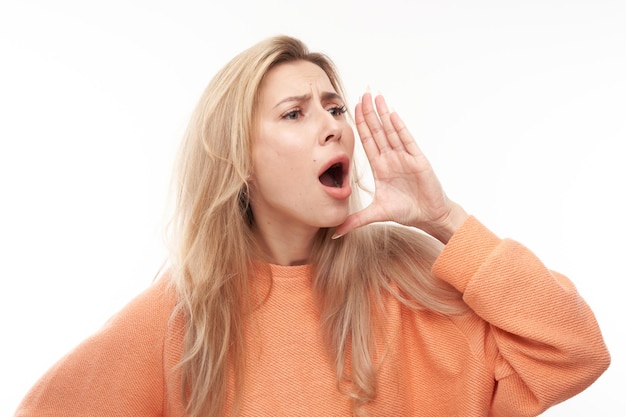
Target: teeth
{"x":336,"y":183}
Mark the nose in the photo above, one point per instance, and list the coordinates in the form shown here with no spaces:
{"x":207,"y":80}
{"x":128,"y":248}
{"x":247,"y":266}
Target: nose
{"x":331,"y":128}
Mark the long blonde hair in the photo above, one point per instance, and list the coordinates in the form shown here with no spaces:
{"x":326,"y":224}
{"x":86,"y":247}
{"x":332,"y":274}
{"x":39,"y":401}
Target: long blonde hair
{"x":214,"y":248}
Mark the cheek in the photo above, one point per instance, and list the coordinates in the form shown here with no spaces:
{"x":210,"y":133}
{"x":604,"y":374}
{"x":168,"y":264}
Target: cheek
{"x":279,"y":144}
{"x":281,"y":156}
{"x":281,"y":168}
{"x":287,"y":158}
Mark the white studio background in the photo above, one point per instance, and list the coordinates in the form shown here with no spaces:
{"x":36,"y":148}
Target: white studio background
{"x":520,"y":105}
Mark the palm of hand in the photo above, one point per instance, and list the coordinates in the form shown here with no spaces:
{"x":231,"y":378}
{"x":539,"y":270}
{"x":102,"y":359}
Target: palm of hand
{"x":407,"y":190}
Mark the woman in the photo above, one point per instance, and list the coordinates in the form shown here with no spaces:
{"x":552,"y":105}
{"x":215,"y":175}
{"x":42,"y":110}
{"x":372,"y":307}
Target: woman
{"x":285,"y":298}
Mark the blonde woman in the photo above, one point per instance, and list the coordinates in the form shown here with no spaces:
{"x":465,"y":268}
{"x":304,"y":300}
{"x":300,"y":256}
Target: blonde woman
{"x":285,"y":298}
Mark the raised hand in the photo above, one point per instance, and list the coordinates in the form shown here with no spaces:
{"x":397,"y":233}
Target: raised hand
{"x":407,"y":190}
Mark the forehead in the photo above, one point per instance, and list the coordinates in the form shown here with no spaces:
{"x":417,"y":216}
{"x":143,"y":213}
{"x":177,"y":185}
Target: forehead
{"x":294,"y":78}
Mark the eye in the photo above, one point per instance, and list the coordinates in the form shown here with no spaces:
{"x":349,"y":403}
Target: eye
{"x":337,"y":110}
{"x":292,"y":114}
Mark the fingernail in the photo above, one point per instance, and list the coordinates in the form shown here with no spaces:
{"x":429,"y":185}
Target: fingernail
{"x":336,"y":236}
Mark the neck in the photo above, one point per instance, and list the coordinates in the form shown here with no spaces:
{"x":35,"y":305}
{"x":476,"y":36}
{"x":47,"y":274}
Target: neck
{"x":284,"y":246}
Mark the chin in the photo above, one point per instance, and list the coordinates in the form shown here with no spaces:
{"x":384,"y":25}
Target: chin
{"x":334,"y":221}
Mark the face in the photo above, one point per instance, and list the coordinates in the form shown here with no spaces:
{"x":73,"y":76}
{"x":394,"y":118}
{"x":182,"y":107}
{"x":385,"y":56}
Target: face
{"x":302,"y":149}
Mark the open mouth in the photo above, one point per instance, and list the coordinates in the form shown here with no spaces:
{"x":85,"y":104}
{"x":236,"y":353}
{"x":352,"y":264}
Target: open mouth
{"x":333,"y":176}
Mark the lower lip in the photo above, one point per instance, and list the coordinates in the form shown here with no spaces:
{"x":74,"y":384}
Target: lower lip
{"x":338,"y":193}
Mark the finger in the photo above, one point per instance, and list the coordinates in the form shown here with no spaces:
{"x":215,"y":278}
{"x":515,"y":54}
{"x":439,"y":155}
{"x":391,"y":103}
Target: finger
{"x":373,"y":123}
{"x":390,"y":131}
{"x":369,"y":144}
{"x":407,"y":139}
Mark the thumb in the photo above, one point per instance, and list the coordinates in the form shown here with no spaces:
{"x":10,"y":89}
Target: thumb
{"x":353,"y":221}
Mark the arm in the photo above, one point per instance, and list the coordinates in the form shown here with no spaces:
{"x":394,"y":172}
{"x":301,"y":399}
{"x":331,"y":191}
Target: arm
{"x":117,"y":371}
{"x":548,"y":341}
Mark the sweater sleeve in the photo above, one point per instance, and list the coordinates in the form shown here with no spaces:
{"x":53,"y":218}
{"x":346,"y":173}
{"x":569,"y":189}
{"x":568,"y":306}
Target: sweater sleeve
{"x":116,"y":372}
{"x":549,"y":345}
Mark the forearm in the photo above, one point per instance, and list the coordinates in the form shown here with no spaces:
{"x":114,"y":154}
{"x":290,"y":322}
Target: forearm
{"x":545,"y":332}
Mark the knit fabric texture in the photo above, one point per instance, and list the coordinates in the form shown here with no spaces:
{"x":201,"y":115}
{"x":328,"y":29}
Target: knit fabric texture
{"x":528,"y":342}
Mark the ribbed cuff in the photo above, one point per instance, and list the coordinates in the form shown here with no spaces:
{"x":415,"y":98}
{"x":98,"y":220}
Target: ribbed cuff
{"x":464,"y":253}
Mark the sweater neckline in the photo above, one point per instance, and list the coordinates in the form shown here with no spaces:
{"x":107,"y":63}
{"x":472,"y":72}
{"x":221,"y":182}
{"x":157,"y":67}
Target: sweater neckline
{"x":284,"y":272}
{"x":290,"y":271}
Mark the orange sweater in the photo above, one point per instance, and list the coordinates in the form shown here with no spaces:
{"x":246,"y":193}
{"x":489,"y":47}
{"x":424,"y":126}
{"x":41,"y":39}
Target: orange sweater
{"x":529,"y":342}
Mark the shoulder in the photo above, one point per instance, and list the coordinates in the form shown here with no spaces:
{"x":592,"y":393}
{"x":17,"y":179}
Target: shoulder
{"x":139,"y":328}
{"x":152,"y":308}
{"x":118,"y":368}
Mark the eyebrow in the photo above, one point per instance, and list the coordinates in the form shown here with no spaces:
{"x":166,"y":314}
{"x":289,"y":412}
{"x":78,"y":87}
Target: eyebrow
{"x":305,"y":97}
